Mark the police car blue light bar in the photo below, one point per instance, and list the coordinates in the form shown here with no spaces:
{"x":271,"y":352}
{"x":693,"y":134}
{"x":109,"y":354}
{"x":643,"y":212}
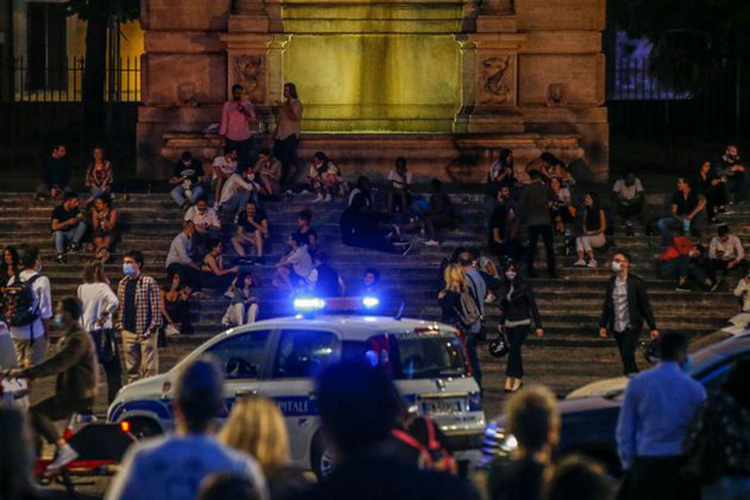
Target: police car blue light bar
{"x":370,"y":302}
{"x":309,"y":304}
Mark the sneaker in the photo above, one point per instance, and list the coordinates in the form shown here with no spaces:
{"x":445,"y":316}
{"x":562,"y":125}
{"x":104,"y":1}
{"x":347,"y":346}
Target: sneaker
{"x":682,"y":288}
{"x":64,"y":456}
{"x":60,"y":258}
{"x":304,"y":191}
{"x":579,"y":263}
{"x":317,"y":199}
{"x":432,"y":243}
{"x":74,"y":247}
{"x":328,"y":198}
{"x":407,"y":249}
{"x":592,"y":263}
{"x":722,"y":210}
{"x":715,"y":286}
{"x":229,"y":294}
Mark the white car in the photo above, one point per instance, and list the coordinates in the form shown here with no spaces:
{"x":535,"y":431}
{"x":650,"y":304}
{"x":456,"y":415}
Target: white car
{"x":280,"y":358}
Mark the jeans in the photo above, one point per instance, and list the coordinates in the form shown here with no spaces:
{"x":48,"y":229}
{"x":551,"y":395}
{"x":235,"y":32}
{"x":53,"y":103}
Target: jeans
{"x":716,"y":265}
{"x":635,"y":208}
{"x":73,"y":235}
{"x":238,"y":201}
{"x":670,"y":225}
{"x":108,"y":356}
{"x":627,"y":341}
{"x":681,"y":267}
{"x":588,"y":243}
{"x":44,"y":414}
{"x":471,"y":352}
{"x":286,"y":151}
{"x":516,"y":336}
{"x":736,"y":185}
{"x":178,"y":194}
{"x":545,"y":231}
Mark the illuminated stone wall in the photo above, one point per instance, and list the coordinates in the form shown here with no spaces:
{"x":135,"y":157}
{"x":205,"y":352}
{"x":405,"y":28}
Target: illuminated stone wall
{"x":525,"y":72}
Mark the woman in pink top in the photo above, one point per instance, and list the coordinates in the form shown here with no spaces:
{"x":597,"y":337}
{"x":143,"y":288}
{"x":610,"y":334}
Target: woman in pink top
{"x":237,"y":121}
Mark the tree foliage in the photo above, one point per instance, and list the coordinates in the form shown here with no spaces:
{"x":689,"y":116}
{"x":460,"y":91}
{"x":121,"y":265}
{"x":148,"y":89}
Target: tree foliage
{"x":693,"y":40}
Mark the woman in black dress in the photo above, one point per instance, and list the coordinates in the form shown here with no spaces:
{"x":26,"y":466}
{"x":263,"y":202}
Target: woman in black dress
{"x":518,"y":314}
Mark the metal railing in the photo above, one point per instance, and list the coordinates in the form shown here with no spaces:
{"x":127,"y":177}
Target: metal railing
{"x":63,"y":82}
{"x":630,"y":80}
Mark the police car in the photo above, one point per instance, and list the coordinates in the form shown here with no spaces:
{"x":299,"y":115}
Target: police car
{"x":280,"y":358}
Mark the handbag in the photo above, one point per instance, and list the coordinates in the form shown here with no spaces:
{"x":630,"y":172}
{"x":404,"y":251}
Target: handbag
{"x":105,"y":344}
{"x":499,"y":347}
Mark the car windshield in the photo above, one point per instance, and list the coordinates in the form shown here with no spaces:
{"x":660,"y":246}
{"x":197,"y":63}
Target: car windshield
{"x":419,"y":357}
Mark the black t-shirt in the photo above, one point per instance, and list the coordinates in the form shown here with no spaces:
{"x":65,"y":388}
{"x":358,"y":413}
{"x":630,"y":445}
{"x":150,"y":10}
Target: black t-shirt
{"x":515,"y":480}
{"x":307,"y":234}
{"x":61,"y":215}
{"x":259,"y":217}
{"x":192,"y":171}
{"x":499,"y":220}
{"x":56,"y":171}
{"x":685,"y":206}
{"x":129,"y":309}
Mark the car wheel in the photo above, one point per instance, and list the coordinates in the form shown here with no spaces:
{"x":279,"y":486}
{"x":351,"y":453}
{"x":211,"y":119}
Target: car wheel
{"x":322,"y":458}
{"x":143,"y":428}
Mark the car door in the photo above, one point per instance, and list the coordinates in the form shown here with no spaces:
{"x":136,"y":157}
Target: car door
{"x":244,"y":359}
{"x":299,"y":356}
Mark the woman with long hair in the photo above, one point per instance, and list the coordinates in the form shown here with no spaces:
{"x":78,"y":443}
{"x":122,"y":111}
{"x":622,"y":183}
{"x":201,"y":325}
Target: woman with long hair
{"x":256,"y":427}
{"x":99,"y":176}
{"x":243,"y":309}
{"x":501,"y":173}
{"x":449,"y":298}
{"x":286,"y":135}
{"x":175,"y":306}
{"x":99,"y":304}
{"x":562,"y":210}
{"x":9,"y":264}
{"x":518,"y":314}
{"x":713,"y":187}
{"x":104,"y":220}
{"x":594,"y":228}
{"x":214,"y":275}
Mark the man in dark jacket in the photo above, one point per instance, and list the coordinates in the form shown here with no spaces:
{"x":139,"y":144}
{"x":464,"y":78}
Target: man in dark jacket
{"x":76,"y":369}
{"x":55,"y":173}
{"x":626,"y":307}
{"x":534,"y":207}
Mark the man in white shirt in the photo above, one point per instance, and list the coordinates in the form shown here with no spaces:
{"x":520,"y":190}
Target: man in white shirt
{"x":179,"y":258}
{"x":238,"y":189}
{"x":399,"y":181}
{"x":725,"y":253}
{"x":628,"y":196}
{"x":223,"y":167}
{"x":172,"y":467}
{"x":31,"y":339}
{"x":206,"y":222}
{"x":295,"y":267}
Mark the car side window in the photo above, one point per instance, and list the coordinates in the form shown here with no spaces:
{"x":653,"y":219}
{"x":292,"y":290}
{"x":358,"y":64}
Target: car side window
{"x":715,"y":378}
{"x":305,"y":353}
{"x":241,"y":356}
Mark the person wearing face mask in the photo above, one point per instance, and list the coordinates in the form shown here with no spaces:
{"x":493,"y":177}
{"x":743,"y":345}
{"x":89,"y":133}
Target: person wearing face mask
{"x":139,"y":318}
{"x":626,"y":307}
{"x":76,"y":368}
{"x":656,"y":413}
{"x":733,"y":170}
{"x":518,"y":314}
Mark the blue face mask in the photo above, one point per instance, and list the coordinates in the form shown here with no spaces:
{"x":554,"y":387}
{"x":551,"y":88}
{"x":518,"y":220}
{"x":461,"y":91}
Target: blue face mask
{"x":128,"y":269}
{"x":58,"y":320}
{"x":688,"y":365}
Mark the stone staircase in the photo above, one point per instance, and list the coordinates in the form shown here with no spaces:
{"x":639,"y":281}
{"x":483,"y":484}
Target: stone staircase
{"x":569,"y":355}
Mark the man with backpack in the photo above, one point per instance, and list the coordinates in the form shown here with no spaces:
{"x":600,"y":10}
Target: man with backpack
{"x":27,"y":309}
{"x":477,"y":288}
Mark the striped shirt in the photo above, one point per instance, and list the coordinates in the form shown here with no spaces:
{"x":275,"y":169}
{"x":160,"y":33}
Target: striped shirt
{"x":147,"y":304}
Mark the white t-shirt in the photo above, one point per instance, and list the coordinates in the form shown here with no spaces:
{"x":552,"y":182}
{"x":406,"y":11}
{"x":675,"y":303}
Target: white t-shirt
{"x":399,"y":181}
{"x":626,"y":192}
{"x":98,"y":300}
{"x":42,"y":303}
{"x":226,"y":167}
{"x":234,"y":185}
{"x":300,"y":261}
{"x":172,"y":468}
{"x":204,"y":220}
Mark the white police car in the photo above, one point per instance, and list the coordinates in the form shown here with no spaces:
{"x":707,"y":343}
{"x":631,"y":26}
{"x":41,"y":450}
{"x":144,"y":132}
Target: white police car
{"x":280,"y":358}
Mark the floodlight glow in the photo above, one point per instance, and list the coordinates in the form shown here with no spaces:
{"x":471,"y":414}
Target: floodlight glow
{"x":308,"y":304}
{"x":370,"y":302}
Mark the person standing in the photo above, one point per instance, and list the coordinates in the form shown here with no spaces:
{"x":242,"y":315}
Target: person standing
{"x":286,"y":135}
{"x":68,"y":226}
{"x":626,"y":307}
{"x":237,"y":121}
{"x":56,"y":171}
{"x":518,"y":314}
{"x":139,"y":318}
{"x":75,"y":365}
{"x":657,"y":410}
{"x":31,"y":334}
{"x":718,"y":439}
{"x":477,"y":288}
{"x":173,"y":466}
{"x":99,"y":303}
{"x":503,"y":234}
{"x":534,"y":204}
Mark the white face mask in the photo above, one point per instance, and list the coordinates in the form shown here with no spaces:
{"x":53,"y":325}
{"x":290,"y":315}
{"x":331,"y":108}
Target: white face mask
{"x":616,"y":266}
{"x":511,"y":275}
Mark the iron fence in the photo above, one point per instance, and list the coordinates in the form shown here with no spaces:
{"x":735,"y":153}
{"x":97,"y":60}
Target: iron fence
{"x":24,"y":82}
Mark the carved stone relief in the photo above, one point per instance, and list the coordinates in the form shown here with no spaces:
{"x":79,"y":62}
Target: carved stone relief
{"x":497,"y":80}
{"x":250,"y":72}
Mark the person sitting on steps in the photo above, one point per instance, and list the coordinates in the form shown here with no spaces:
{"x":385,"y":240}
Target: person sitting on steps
{"x":594,"y":228}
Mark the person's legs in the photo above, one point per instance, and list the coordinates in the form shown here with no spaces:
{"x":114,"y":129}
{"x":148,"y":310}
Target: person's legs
{"x":548,"y":235}
{"x":471,"y":351}
{"x":23,"y":358}
{"x":391,"y":200}
{"x":59,"y":238}
{"x":113,"y":373}
{"x":516,"y":337}
{"x":43,"y":415}
{"x":238,"y":242}
{"x":197,"y":192}
{"x":666,"y":226}
{"x":534,"y":232}
{"x":43,"y":190}
{"x":178,"y":195}
{"x":668,"y":269}
{"x":132,"y":350}
{"x":77,"y":233}
{"x":252,"y":313}
{"x":150,"y":357}
{"x":627,"y":342}
{"x":38,"y":348}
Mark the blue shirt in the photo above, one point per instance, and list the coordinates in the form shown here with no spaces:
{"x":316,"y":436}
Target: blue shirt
{"x":479,"y":290}
{"x":659,"y":405}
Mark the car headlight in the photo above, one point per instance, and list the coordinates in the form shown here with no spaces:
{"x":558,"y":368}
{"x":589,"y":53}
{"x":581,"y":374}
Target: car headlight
{"x":498,"y":443}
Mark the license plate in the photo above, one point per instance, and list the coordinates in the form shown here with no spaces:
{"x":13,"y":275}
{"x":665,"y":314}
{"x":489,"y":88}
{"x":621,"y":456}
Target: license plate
{"x":441,"y":406}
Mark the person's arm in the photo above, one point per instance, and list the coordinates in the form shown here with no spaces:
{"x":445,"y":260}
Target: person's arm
{"x":224,"y":120}
{"x":712,"y":247}
{"x":249,"y":112}
{"x":604,"y":318}
{"x":176,"y":176}
{"x":739,"y":250}
{"x":742,"y":287}
{"x":602,"y":223}
{"x":110,"y":178}
{"x":111,"y":223}
{"x":61,"y":361}
{"x":210,"y":261}
{"x":155,"y":304}
{"x":700,"y":206}
{"x":627,"y":423}
{"x":213,"y":221}
{"x":120,"y":304}
{"x":163,"y":302}
{"x":182,"y":253}
{"x":533,"y":308}
{"x":89,"y":179}
{"x":496,"y":235}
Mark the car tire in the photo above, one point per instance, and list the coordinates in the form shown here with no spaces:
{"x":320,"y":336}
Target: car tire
{"x":143,"y":428}
{"x":321,"y":458}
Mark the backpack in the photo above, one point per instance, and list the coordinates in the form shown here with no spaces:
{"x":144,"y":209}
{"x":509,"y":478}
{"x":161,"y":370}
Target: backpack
{"x":432,"y":454}
{"x":470,"y":313}
{"x":18,"y":301}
